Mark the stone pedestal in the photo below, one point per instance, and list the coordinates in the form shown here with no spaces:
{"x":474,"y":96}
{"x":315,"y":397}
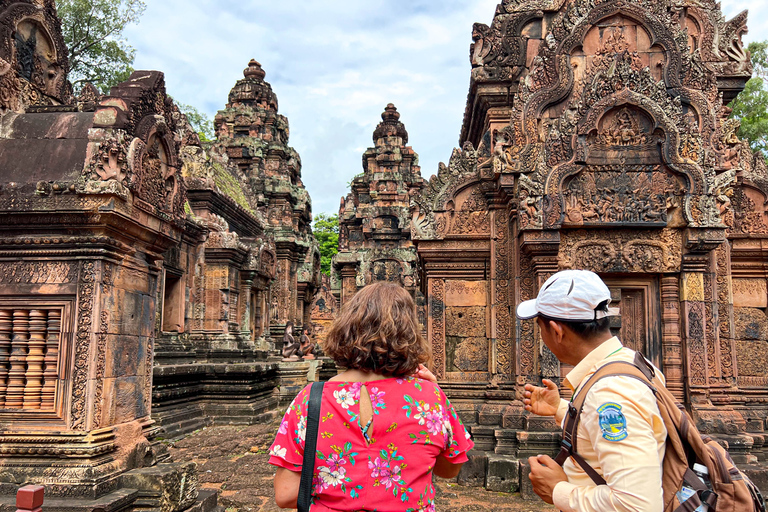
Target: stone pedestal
{"x":293,"y":376}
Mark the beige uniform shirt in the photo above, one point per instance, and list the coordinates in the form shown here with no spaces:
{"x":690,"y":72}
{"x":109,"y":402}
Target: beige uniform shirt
{"x":621,"y":434}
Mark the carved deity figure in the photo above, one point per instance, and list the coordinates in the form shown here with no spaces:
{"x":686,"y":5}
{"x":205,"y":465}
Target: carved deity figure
{"x":624,"y":130}
{"x":291,"y":348}
{"x":307,"y":348}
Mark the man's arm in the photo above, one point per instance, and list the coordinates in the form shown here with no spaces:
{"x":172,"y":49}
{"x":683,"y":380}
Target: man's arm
{"x":624,"y":428}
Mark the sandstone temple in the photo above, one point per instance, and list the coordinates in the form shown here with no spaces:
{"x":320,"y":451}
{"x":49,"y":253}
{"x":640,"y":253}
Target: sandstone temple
{"x":147,"y":279}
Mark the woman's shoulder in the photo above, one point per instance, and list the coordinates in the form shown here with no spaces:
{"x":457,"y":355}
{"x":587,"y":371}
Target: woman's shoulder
{"x":415,"y":386}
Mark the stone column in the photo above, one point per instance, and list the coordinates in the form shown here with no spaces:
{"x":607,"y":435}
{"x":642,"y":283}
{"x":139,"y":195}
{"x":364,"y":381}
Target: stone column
{"x":671,"y":342}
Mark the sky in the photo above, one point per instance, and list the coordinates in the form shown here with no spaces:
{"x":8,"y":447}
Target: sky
{"x":334,"y":65}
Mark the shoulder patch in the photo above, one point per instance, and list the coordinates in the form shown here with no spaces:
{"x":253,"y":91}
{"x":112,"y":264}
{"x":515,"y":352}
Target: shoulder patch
{"x":612,"y":422}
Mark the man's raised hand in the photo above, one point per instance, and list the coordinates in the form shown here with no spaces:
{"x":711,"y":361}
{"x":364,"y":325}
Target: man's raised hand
{"x":542,"y":401}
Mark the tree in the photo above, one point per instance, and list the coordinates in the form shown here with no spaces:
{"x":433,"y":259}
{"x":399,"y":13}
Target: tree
{"x":200,"y":121}
{"x":93,"y":32}
{"x":326,"y":230}
{"x":751,"y":105}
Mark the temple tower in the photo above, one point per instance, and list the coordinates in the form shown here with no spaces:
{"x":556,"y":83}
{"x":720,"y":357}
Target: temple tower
{"x":374,"y":219}
{"x":254,"y":138}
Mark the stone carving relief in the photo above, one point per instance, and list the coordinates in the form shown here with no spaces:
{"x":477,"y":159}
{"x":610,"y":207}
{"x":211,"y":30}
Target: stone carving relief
{"x":33,"y":58}
{"x":472,"y":216}
{"x":429,"y":220}
{"x":622,"y":252}
{"x":39,"y":272}
{"x":621,"y":195}
{"x":84,"y":328}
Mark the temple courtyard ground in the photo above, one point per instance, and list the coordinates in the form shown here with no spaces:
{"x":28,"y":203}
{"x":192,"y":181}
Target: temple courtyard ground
{"x":234,"y":461}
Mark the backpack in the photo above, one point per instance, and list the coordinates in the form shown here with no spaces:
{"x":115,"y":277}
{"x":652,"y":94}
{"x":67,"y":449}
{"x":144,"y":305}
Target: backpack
{"x":732,"y":490}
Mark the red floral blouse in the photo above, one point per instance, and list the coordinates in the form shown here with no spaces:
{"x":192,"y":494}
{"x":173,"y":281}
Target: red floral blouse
{"x":390,"y":467}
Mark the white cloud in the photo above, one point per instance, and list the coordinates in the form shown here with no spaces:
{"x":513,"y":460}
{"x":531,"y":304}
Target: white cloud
{"x":334,"y":66}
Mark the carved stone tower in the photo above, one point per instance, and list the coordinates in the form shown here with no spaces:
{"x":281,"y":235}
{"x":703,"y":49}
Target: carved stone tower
{"x":255,"y":139}
{"x":596,"y":136}
{"x":374,"y":219}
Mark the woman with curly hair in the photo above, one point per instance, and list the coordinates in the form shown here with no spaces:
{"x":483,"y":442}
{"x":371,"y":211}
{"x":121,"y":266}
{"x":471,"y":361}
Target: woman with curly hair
{"x":385,"y":425}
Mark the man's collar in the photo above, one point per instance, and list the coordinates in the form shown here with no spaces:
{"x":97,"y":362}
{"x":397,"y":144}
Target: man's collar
{"x":575,"y":376}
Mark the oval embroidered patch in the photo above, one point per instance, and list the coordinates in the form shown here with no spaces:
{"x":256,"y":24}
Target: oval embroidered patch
{"x":612,"y":422}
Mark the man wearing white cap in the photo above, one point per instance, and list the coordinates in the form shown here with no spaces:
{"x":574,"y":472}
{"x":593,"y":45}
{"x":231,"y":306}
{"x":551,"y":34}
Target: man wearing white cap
{"x":621,"y":433}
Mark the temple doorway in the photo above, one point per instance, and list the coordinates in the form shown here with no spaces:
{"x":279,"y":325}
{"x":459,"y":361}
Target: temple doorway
{"x":639,"y":324}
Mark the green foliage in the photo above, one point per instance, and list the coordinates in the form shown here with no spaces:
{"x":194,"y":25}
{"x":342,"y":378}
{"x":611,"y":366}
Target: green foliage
{"x":751,"y":105}
{"x":93,"y":32}
{"x":200,"y":121}
{"x":326,"y":230}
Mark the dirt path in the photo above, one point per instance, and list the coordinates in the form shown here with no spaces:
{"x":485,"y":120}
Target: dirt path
{"x":234,"y":461}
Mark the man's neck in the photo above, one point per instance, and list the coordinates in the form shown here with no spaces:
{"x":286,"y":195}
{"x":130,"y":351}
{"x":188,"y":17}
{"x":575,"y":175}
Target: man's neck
{"x":581,"y":348}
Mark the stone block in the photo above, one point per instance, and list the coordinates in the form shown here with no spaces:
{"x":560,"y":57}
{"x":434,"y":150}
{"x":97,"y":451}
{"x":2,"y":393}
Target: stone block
{"x":506,"y":442}
{"x":466,"y":293}
{"x":470,"y":354}
{"x":122,"y":356}
{"x":750,"y":293}
{"x":758,"y":474}
{"x":467,"y":412}
{"x":490,"y":414}
{"x":752,"y":358}
{"x":472,"y":473}
{"x":503,"y":474}
{"x":541,"y":424}
{"x":128,"y":314}
{"x":513,"y":416}
{"x":719,"y":421}
{"x":535,"y":443}
{"x":526,"y":487}
{"x":131,"y":279}
{"x":483,"y":437}
{"x":738,"y":446}
{"x":128,"y":399}
{"x":465,"y":321}
{"x":168,"y":487}
{"x":750,"y":323}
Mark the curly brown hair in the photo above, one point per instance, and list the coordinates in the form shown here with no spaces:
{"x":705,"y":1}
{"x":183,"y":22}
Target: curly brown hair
{"x":377,"y":331}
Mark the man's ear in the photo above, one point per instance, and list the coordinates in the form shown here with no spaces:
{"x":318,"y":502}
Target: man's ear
{"x":557,"y":329}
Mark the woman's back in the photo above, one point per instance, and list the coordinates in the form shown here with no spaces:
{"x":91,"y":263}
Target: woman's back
{"x":386,"y":466}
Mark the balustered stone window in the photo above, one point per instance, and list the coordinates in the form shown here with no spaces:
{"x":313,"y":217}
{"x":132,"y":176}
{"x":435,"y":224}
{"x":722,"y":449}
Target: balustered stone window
{"x":30,"y":349}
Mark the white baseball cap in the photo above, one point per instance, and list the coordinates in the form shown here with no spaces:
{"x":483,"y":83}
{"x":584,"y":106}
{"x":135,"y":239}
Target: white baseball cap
{"x":571,"y":296}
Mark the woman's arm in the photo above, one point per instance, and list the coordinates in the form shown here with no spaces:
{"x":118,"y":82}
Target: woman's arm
{"x":443,"y":468}
{"x":287,"y":488}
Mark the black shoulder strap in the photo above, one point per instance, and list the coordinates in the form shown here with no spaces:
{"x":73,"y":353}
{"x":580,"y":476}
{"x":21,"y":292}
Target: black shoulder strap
{"x":641,"y":370}
{"x":310,"y":446}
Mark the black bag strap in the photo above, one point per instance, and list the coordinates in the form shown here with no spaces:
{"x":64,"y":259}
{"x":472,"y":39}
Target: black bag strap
{"x":310,"y":446}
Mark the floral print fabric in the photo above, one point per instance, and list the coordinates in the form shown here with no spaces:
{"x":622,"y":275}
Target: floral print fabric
{"x":390,"y":469}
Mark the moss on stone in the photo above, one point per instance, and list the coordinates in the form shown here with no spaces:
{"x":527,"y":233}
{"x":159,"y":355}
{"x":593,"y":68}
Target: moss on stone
{"x":229,"y":186}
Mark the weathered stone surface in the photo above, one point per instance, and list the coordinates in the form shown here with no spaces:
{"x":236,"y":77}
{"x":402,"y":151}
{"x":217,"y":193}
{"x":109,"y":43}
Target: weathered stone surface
{"x":473,"y":471}
{"x":466,"y":293}
{"x":750,"y":324}
{"x":471,"y":355}
{"x":465,"y":321}
{"x":169,"y":487}
{"x":752,"y":357}
{"x":503,"y":474}
{"x":750,"y":293}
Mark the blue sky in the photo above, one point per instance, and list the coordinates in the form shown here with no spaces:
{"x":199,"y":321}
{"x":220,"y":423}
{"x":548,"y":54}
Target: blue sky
{"x":334,"y":66}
